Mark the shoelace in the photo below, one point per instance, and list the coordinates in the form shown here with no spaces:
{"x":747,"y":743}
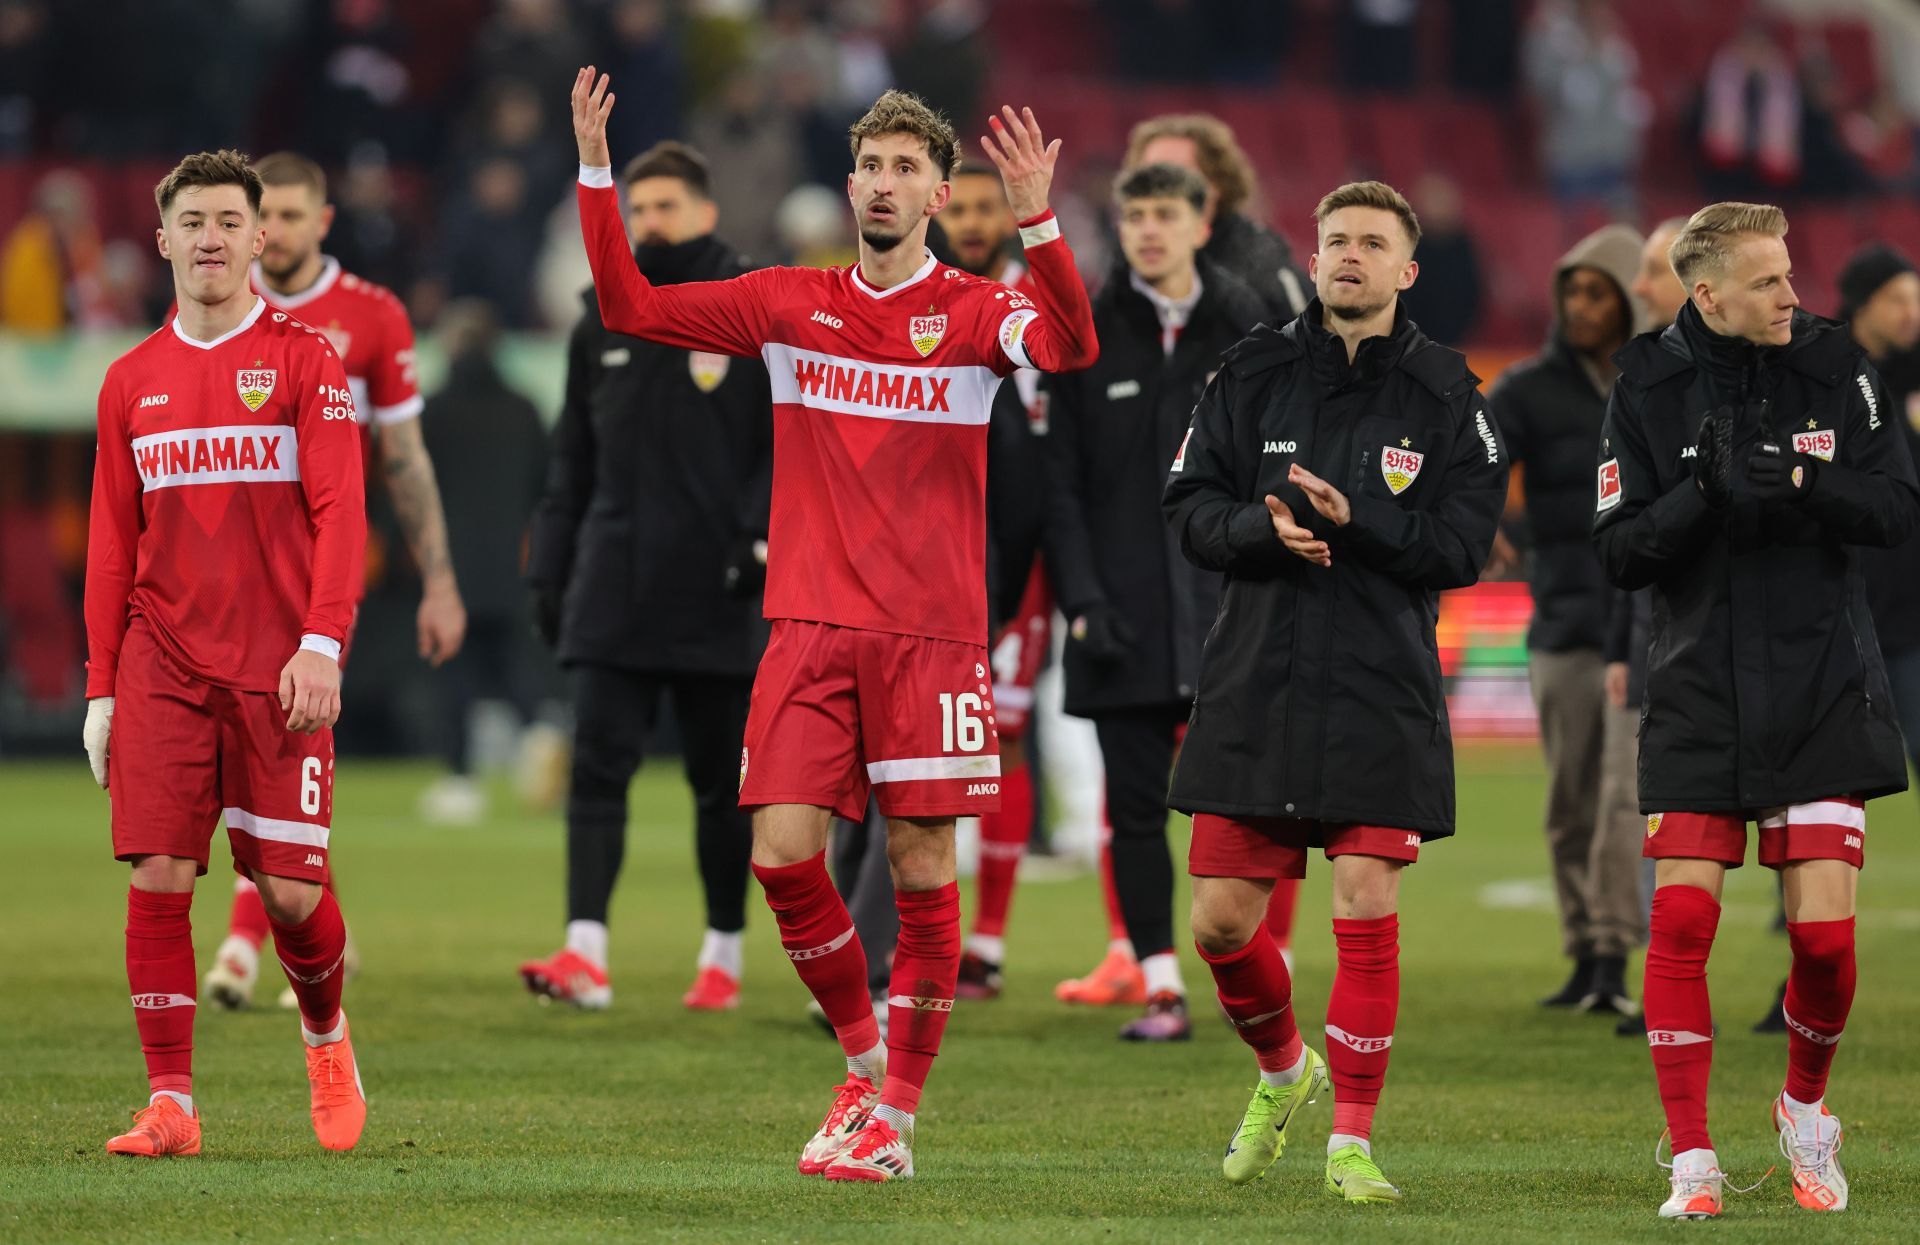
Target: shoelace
{"x":335,"y":1070}
{"x":1704,"y":1180}
{"x":160,"y":1123}
{"x":846,"y":1101}
{"x":1249,"y":1126}
{"x":875,"y":1134}
{"x":1362,"y":1164}
{"x":1822,"y":1151}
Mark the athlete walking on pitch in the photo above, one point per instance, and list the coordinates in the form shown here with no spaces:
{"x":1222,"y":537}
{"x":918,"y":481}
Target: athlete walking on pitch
{"x":876,"y":676}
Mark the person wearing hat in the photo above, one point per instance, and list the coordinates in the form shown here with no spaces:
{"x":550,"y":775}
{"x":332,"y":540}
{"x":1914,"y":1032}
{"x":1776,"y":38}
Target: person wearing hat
{"x":1550,"y":407}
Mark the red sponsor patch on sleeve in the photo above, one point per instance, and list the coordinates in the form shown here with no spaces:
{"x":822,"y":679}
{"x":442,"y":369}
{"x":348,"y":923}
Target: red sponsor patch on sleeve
{"x":1609,"y":484}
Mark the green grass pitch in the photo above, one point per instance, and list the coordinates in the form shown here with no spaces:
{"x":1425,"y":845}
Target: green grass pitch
{"x":496,"y":1119}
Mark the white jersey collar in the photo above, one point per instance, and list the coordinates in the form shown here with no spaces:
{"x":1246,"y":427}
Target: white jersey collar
{"x":329,"y":274}
{"x":860,"y":282}
{"x":259,"y":306}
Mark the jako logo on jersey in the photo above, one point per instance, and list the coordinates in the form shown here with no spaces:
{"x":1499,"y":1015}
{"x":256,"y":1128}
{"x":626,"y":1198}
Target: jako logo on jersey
{"x":1692,"y":451}
{"x":248,"y":455}
{"x":255,"y":386}
{"x":707,"y":370}
{"x":925,"y":333}
{"x":1873,"y":403}
{"x":1609,"y":485}
{"x":315,"y":861}
{"x":154,"y":399}
{"x":872,"y":386}
{"x":1400,"y":467}
{"x":1281,"y":447}
{"x":832,"y":322}
{"x":983,"y":788}
{"x":1819,"y":443}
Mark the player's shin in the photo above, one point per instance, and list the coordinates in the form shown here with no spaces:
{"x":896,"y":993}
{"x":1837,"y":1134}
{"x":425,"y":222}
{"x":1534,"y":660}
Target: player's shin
{"x":248,"y":918}
{"x":1003,"y":841}
{"x":1256,"y":992}
{"x":161,"y":977}
{"x":925,"y":965}
{"x":1361,"y":1009}
{"x":1679,"y":1013}
{"x":1819,"y":996}
{"x":314,"y":952}
{"x":820,"y":940}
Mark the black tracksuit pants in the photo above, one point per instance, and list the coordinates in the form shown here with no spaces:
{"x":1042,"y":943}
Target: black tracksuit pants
{"x":614,"y":712}
{"x":1137,"y":748}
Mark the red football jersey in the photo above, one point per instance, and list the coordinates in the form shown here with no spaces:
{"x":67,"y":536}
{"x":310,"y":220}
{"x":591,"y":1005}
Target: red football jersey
{"x":368,"y":326}
{"x":228,"y":502}
{"x":880,"y":407}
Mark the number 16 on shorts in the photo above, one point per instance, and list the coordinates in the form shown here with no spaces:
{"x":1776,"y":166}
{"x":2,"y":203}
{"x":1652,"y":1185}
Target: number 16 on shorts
{"x":962,"y":725}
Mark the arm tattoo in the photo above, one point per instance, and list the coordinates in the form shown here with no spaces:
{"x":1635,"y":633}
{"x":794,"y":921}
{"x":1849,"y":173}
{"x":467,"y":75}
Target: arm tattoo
{"x":416,"y":497}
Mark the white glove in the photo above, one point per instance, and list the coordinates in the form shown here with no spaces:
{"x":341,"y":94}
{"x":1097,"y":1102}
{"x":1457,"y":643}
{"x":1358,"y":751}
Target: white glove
{"x":94,"y":735}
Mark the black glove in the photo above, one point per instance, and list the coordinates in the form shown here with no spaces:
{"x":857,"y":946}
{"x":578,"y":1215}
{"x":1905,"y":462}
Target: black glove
{"x":547,"y":604}
{"x":1713,"y":461}
{"x":1778,"y":475}
{"x":1101,"y":631}
{"x":747,"y":566}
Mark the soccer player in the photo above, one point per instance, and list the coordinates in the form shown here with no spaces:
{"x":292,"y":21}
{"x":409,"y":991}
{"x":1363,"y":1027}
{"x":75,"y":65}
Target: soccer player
{"x":1746,"y":456}
{"x":876,"y":673}
{"x":1342,"y":471}
{"x":223,"y":562}
{"x":369,"y":330}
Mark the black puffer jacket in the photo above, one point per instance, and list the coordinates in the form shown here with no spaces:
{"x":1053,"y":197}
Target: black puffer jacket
{"x":1262,"y":261}
{"x":1765,"y":684}
{"x":1320,"y":692}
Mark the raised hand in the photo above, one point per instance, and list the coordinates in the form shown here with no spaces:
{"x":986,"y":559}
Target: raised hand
{"x":592,"y":102}
{"x":1024,"y":158}
{"x":1328,"y":500}
{"x":1297,"y":539}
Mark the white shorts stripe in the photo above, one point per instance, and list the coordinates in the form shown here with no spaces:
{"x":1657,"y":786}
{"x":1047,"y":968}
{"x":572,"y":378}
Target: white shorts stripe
{"x":932,"y":769}
{"x":814,"y":953}
{"x":1828,"y":813}
{"x":274,"y":830}
{"x":156,"y":1002}
{"x":1676,"y":1037}
{"x":1365,"y":1045}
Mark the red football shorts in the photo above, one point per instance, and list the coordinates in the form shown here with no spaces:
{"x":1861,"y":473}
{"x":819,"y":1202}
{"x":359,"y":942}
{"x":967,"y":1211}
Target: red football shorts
{"x":1276,"y":847}
{"x":1833,"y":829}
{"x":183,"y":753}
{"x":838,"y":711}
{"x":1020,"y":654}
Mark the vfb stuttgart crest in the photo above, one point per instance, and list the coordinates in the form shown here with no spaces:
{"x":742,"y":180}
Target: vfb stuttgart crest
{"x":255,"y":385}
{"x":926,"y":332}
{"x":1817,"y":443}
{"x":707,"y":370}
{"x":1400,"y":467}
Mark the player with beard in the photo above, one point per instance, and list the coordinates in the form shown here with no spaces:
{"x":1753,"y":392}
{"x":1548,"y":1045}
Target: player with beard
{"x":875,"y":676}
{"x":368,"y":327}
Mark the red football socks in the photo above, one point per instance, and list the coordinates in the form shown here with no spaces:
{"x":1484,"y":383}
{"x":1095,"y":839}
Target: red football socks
{"x":314,"y":955}
{"x":1280,"y":908}
{"x":160,"y":973}
{"x":248,"y":919}
{"x":1003,"y":841}
{"x":1819,"y":996}
{"x":926,"y":963}
{"x":1361,"y":1009}
{"x":1257,"y":995}
{"x":819,"y":938}
{"x":1678,"y":1011}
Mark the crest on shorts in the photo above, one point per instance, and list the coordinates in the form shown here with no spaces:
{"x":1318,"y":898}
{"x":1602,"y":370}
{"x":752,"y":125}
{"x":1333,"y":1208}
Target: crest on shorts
{"x":1653,"y":824}
{"x":1816,"y":443}
{"x":707,"y":370}
{"x":255,"y":386}
{"x":1400,"y":467}
{"x":925,"y":332}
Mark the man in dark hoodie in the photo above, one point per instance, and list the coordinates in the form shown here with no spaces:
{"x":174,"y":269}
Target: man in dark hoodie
{"x":1140,"y":610}
{"x":1549,"y":407}
{"x":646,"y":561}
{"x":1747,"y":455}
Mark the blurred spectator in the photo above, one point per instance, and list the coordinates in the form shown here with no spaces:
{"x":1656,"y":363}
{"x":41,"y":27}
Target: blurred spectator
{"x":756,"y":146}
{"x":642,"y":52}
{"x":944,"y":61}
{"x":1582,"y":74}
{"x":53,"y":271}
{"x":364,"y":92}
{"x":1377,"y":42}
{"x":25,"y":69}
{"x":368,"y":236}
{"x":1484,"y":51}
{"x":534,"y":42}
{"x":860,"y":48}
{"x":1445,"y":302}
{"x":815,"y":228}
{"x":489,"y":448}
{"x":1750,"y":116}
{"x":513,"y":126}
{"x":484,"y":251}
{"x":1829,"y":168}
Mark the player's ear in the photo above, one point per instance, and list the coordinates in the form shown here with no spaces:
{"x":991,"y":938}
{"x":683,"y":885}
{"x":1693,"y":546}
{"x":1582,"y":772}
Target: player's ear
{"x":1409,"y":274}
{"x":707,"y":212}
{"x":259,"y":240}
{"x":160,"y":240}
{"x":1313,"y":264}
{"x":326,"y":220}
{"x":941,"y":194}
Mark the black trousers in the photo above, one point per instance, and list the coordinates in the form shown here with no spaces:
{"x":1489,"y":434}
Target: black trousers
{"x":491,"y":663}
{"x":1137,"y":748}
{"x":614,"y":712}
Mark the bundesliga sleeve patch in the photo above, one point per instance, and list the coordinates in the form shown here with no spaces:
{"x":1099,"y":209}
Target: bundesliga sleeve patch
{"x":1609,"y":485}
{"x":1180,"y":459}
{"x":1013,"y":335}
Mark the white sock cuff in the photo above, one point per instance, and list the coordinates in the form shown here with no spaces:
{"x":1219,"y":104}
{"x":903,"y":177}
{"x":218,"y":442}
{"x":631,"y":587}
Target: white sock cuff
{"x":334,"y":1034}
{"x":1341,"y":1140}
{"x":185,"y":1100}
{"x":588,"y":939}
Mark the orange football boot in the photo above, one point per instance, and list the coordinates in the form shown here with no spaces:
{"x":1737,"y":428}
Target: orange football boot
{"x":163,"y":1129}
{"x":339,"y":1102}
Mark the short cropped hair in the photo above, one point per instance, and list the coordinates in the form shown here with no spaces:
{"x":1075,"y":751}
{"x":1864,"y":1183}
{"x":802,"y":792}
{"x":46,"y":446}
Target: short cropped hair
{"x":671,"y":159}
{"x":1706,"y":245}
{"x":900,"y":112}
{"x":1222,"y":161}
{"x":287,"y":168}
{"x":1371,"y":195}
{"x":1162,"y":181}
{"x":225,"y":167}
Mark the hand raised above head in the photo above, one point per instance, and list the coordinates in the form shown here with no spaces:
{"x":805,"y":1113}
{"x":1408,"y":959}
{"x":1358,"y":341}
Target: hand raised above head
{"x":592,"y":103}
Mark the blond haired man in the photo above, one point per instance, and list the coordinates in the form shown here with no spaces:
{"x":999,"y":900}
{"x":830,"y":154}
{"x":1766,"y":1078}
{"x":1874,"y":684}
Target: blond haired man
{"x":1747,"y":454}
